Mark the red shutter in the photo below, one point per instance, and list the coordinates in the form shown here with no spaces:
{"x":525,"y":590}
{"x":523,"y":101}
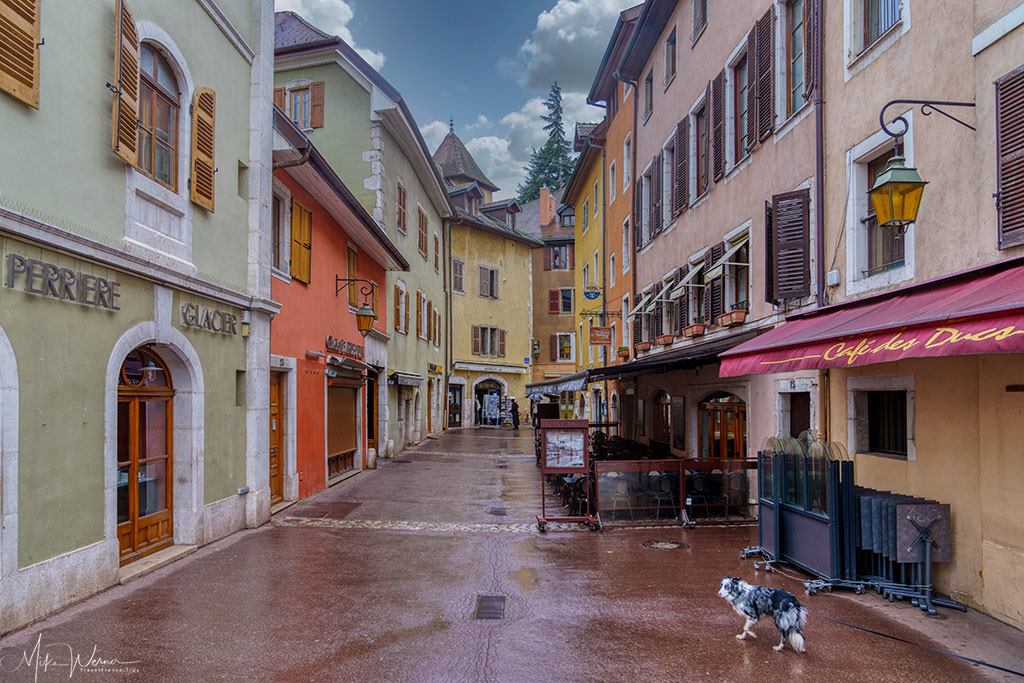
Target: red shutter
{"x":681,"y":158}
{"x":572,"y":257}
{"x":476,"y":340}
{"x":791,"y":224}
{"x":554,"y":347}
{"x":1010,"y":157}
{"x":547,"y":258}
{"x":718,"y":125}
{"x":316,"y":104}
{"x":501,"y":343}
{"x":751,"y":88}
{"x":554,"y":301}
{"x":765,"y":65}
{"x":769,"y":255}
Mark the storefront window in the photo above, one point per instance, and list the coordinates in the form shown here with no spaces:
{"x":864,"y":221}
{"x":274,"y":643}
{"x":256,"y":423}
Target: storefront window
{"x":662,"y":419}
{"x":722,"y":420}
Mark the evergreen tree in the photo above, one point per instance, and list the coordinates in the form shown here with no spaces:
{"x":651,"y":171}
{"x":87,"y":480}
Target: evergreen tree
{"x":551,"y":165}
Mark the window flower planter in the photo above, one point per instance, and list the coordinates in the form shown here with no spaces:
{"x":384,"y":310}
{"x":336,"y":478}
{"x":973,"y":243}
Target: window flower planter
{"x":732,"y":318}
{"x":664,"y":339}
{"x":694,"y":330}
{"x":642,"y":346}
{"x":623,"y":352}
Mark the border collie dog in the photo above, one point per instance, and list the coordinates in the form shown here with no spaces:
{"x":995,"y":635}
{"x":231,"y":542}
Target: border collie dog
{"x":753,"y":602}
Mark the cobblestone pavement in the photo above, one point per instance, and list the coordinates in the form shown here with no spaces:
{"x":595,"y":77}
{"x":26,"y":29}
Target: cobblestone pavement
{"x":377,"y":579}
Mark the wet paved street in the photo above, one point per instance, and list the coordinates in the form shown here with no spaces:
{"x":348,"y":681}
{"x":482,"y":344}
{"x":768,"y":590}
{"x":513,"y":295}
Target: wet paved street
{"x":377,"y":580}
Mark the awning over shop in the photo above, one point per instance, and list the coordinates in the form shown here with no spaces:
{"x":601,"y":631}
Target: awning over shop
{"x":678,"y":359}
{"x":576,"y":382}
{"x":407,"y":379}
{"x":970,"y":313}
{"x":349,"y":363}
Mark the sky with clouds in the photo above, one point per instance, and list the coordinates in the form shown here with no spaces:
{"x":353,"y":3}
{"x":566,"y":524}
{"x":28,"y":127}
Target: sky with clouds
{"x":489,"y":65}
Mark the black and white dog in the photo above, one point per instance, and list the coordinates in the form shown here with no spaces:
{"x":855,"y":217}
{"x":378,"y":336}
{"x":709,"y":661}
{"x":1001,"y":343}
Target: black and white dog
{"x":753,"y":602}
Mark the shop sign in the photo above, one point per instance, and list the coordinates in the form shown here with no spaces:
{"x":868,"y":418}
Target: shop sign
{"x":40,"y":277}
{"x":592,"y":292}
{"x":345,"y":348}
{"x":434,"y":368}
{"x":210,"y":319}
{"x":600,"y":336}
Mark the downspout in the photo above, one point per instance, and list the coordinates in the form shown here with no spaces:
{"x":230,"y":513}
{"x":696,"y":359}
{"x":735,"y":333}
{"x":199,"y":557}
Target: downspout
{"x":445,"y":246}
{"x":306,"y":151}
{"x":632,"y":237}
{"x":604,"y":255}
{"x":819,"y":152}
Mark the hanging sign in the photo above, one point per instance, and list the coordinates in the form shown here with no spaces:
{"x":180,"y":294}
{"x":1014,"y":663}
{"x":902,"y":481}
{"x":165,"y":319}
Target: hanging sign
{"x":600,"y":336}
{"x":592,"y":292}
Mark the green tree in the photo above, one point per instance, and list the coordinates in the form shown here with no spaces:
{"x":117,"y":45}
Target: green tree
{"x":551,"y":165}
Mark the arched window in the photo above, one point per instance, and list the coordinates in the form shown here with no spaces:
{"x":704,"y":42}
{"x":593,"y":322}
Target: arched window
{"x":158,"y":115}
{"x":662,"y":419}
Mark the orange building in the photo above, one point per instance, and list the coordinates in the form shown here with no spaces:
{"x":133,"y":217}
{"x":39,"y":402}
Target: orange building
{"x":325,"y":376}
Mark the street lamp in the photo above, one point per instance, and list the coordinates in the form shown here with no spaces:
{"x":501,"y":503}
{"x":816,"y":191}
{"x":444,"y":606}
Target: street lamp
{"x":364,"y":319}
{"x":364,"y":315}
{"x":896,"y":195}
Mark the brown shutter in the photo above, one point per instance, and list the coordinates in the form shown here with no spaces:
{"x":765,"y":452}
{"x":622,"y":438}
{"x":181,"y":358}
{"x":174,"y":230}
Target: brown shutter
{"x":430,"y":320}
{"x":554,"y":301}
{"x":637,"y":324}
{"x":718,"y":284}
{"x":485,"y":282}
{"x":752,"y":88}
{"x":682,"y":302}
{"x":554,"y":347}
{"x":316,"y":104}
{"x":476,"y":340}
{"x":572,"y":257}
{"x":679,"y":422}
{"x":398,"y":308}
{"x":19,"y":51}
{"x":204,"y":109}
{"x":681,"y":158}
{"x":1010,"y":157}
{"x":494,"y":284}
{"x":547,"y":258}
{"x":638,"y":203}
{"x":765,"y":75}
{"x":419,"y":314}
{"x":501,"y":343}
{"x":769,"y":255}
{"x":405,"y":325}
{"x":810,"y":29}
{"x":657,"y":176}
{"x":791,"y":224}
{"x":718,"y":125}
{"x":124,"y":127}
{"x":279,"y":98}
{"x":659,"y":307}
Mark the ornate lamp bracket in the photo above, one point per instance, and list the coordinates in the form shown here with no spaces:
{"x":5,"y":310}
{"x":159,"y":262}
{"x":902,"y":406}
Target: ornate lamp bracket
{"x":927,"y":107}
{"x":341,"y":283}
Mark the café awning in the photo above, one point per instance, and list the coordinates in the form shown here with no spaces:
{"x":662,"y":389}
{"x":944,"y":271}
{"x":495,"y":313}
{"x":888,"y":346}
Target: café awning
{"x":976,"y":312}
{"x":407,"y":379}
{"x":686,"y":357}
{"x":553,"y":387}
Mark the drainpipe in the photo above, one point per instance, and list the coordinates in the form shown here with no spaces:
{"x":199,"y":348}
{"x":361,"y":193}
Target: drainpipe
{"x":306,"y":151}
{"x":819,"y":152}
{"x":604,"y":255}
{"x":632,"y":237}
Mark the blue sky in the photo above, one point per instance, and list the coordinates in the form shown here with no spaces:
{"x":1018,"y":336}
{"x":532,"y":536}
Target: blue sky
{"x":488,"y":63}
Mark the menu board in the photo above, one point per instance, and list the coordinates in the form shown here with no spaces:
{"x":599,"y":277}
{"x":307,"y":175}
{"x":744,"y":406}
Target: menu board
{"x":564,"y":448}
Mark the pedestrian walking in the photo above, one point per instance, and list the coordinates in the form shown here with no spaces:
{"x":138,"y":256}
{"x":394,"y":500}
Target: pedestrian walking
{"x":515,"y":414}
{"x":479,"y":414}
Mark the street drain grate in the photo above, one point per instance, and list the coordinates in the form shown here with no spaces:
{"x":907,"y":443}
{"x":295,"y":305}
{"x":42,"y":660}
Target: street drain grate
{"x":490,"y":607}
{"x":666,"y":545}
{"x":503,"y":464}
{"x":498,"y":511}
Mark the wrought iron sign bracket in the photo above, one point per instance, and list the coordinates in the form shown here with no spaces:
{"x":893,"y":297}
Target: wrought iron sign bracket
{"x":927,"y":107}
{"x":341,"y":283}
{"x":596,"y":311}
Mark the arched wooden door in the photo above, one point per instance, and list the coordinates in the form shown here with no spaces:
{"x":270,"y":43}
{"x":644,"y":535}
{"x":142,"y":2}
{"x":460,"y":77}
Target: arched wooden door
{"x":145,"y":432}
{"x":722,"y":422}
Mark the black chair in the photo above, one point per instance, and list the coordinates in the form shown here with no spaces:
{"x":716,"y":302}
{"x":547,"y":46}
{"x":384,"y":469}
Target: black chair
{"x":664,"y":490}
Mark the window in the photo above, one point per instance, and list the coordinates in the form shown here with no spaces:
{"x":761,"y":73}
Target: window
{"x":457,"y":280}
{"x":298,"y":107}
{"x":887,"y":422}
{"x":700,"y":127}
{"x":741,"y":279}
{"x":568,"y":220}
{"x":302,"y":241}
{"x":662,"y":427}
{"x":885,"y":244}
{"x":668,"y":165}
{"x":670,"y":57}
{"x":422,"y":244}
{"x":597,"y":200}
{"x":353,"y":272}
{"x":488,"y":282}
{"x":626,"y":308}
{"x":612,"y":184}
{"x":565,"y":300}
{"x":646,"y":228}
{"x":700,"y":17}
{"x":563,"y":346}
{"x":597,"y":270}
{"x":586,"y":274}
{"x":627,"y":158}
{"x":277,"y":218}
{"x":420,"y":301}
{"x":401,"y":209}
{"x":649,"y":94}
{"x":741,"y":119}
{"x":559,"y":257}
{"x":795,"y":55}
{"x":401,"y":308}
{"x":586,"y":215}
{"x":626,"y":246}
{"x":437,"y":254}
{"x":611,"y":270}
{"x":614,"y":336}
{"x":488,"y":341}
{"x":158,"y":119}
{"x":880,"y":415}
{"x":879,"y":17}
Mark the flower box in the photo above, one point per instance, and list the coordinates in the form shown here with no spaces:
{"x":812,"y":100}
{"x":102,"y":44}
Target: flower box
{"x":623,"y":352}
{"x":642,"y":346}
{"x":665,"y":339}
{"x":694,"y":330}
{"x":732,"y":318}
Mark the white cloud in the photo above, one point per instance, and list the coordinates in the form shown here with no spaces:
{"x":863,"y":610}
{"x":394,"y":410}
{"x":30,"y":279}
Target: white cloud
{"x":433,"y":133}
{"x":481,"y":122}
{"x":333,"y":17}
{"x":568,"y":42}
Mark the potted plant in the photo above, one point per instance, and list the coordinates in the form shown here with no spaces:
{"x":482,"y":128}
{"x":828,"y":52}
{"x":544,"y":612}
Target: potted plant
{"x":694,"y":330}
{"x":734,"y":317}
{"x":624,"y":352}
{"x":642,"y":346}
{"x":664,"y":339}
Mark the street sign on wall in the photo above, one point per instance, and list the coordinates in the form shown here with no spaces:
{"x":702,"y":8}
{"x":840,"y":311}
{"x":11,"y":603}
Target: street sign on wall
{"x":600,"y":336}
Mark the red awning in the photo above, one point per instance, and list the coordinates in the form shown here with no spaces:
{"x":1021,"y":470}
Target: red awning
{"x":960,"y":315}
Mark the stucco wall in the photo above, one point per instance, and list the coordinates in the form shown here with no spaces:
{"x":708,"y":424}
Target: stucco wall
{"x":546,"y":324}
{"x":617,"y":211}
{"x":587,"y":243}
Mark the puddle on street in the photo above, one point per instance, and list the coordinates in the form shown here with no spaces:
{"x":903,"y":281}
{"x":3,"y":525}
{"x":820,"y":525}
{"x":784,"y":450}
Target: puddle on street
{"x":527,"y":577}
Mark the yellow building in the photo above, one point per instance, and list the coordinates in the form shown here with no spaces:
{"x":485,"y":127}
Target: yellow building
{"x":585,"y":192}
{"x":490,"y":296}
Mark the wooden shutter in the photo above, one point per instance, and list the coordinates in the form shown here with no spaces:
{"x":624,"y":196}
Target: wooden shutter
{"x":572,"y":257}
{"x":554,"y":347}
{"x":752,"y":88}
{"x":1010,"y":157}
{"x":316,"y":104}
{"x":657,"y":181}
{"x":718,"y":125}
{"x":405,"y":324}
{"x":638,"y":204}
{"x":811,"y":56}
{"x":679,"y":422}
{"x":718,"y":284}
{"x":124,"y":128}
{"x":476,"y":340}
{"x":681,"y":158}
{"x":485,"y":282}
{"x":204,"y":109}
{"x":460,"y":285}
{"x":494,"y":284}
{"x":791,"y":225}
{"x":279,"y":98}
{"x":554,"y":301}
{"x":765,"y":65}
{"x":637,"y":324}
{"x":501,"y":343}
{"x":769,"y":255}
{"x":398,"y":308}
{"x":419,"y":314}
{"x":302,"y":242}
{"x":547,"y":258}
{"x":430,"y":320}
{"x":682,"y":303}
{"x":659,"y":308}
{"x":19,"y":51}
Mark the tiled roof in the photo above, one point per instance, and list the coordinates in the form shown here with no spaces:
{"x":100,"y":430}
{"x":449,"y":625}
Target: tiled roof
{"x":291,"y":30}
{"x":491,"y":225}
{"x":455,"y":161}
{"x":528,"y":221}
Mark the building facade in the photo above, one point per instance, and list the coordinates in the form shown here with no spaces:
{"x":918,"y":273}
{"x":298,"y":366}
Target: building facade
{"x":134,"y":307}
{"x":365,"y":131}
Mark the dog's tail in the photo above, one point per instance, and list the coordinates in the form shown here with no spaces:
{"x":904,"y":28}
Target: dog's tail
{"x":796,"y":636}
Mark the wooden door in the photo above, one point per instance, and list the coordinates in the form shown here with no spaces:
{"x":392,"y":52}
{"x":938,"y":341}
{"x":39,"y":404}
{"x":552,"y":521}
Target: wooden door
{"x":276,"y":438}
{"x":430,"y":407}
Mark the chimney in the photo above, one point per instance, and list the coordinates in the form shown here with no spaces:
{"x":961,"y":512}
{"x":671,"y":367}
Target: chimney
{"x":547,"y":206}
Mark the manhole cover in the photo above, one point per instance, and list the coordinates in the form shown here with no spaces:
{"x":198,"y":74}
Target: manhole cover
{"x":490,"y":607}
{"x":498,"y":511}
{"x":666,"y":545}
